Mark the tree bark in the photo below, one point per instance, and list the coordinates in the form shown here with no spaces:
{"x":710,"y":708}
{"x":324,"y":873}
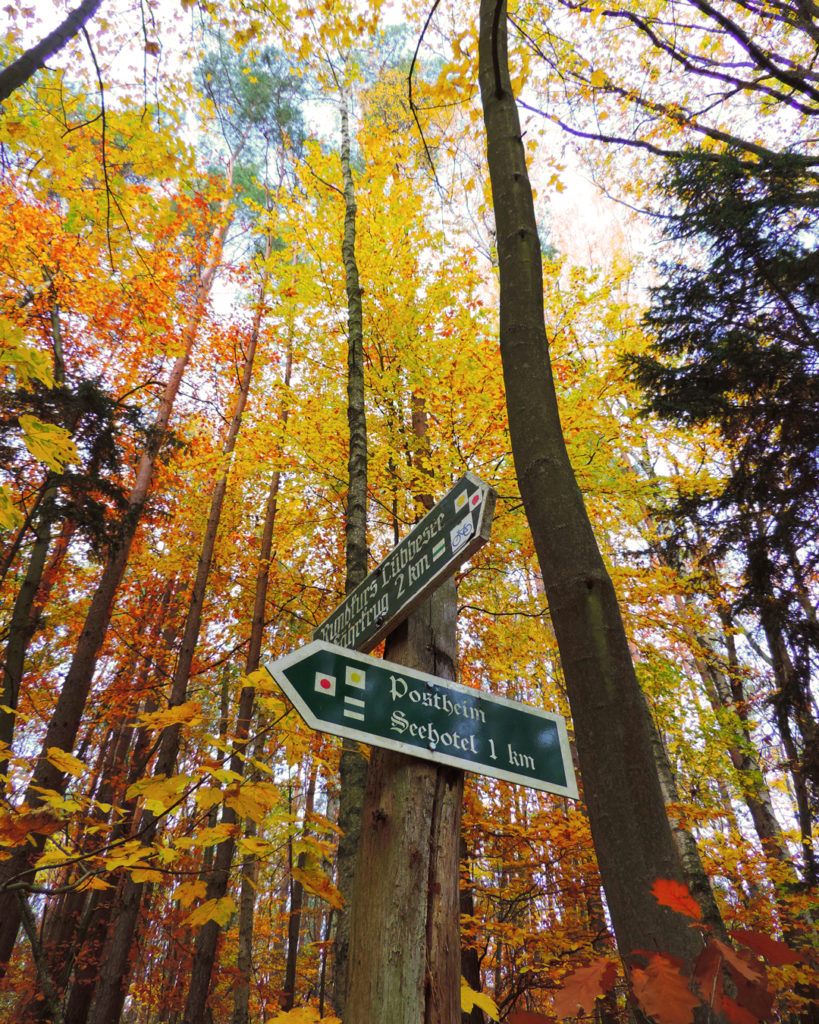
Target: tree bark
{"x":352,"y":765}
{"x":30,"y":62}
{"x":405,"y":950}
{"x":296,"y":904}
{"x":630,"y":829}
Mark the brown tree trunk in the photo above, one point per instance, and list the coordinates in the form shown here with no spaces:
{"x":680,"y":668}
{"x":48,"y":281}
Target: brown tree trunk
{"x":247,"y":898}
{"x":405,"y":950}
{"x":30,"y":62}
{"x":631,"y":833}
{"x":296,"y":903}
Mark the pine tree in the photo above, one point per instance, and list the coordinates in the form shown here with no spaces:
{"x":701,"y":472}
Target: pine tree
{"x":737,"y":346}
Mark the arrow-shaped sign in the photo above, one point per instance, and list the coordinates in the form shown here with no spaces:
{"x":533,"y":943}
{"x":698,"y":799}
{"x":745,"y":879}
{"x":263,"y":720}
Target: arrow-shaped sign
{"x":373,"y":701}
{"x":447,"y":536}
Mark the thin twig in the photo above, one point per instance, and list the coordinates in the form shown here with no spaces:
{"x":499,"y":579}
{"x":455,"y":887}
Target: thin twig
{"x":411,"y":101}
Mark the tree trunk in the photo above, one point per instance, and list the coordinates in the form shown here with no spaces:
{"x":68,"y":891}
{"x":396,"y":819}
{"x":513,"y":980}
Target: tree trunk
{"x":630,"y":829}
{"x":352,"y":765}
{"x":405,"y":950}
{"x":296,"y":903}
{"x":30,"y":62}
{"x":696,"y":878}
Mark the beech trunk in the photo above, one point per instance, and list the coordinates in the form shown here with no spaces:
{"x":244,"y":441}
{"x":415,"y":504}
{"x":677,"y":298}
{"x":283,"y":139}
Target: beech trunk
{"x":630,"y":829}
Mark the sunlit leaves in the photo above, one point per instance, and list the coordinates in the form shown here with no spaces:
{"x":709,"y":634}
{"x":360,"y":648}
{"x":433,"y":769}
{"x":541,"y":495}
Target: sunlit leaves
{"x":48,"y":442}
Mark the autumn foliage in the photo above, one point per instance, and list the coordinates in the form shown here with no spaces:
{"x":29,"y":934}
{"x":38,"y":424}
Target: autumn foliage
{"x":173,"y":315}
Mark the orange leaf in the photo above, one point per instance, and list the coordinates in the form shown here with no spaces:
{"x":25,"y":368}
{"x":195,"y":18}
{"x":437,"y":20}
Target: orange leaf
{"x":774,"y":951}
{"x":669,"y":893}
{"x":16,"y":828}
{"x":584,"y":986}
{"x":741,"y":962}
{"x":527,"y":1017}
{"x":662,"y":992}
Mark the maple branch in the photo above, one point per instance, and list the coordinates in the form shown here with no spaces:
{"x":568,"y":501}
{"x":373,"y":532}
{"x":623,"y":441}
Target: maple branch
{"x":30,"y":62}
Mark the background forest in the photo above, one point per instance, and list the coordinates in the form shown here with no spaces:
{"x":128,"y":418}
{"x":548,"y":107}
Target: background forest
{"x":204,"y":208}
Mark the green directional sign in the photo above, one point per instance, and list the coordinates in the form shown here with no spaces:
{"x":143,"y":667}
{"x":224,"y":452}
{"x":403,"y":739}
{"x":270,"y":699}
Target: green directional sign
{"x":338,"y":691}
{"x":445,"y":538}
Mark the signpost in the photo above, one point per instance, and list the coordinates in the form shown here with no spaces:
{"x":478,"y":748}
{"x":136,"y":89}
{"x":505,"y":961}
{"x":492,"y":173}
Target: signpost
{"x":445,"y":538}
{"x":387,"y":705}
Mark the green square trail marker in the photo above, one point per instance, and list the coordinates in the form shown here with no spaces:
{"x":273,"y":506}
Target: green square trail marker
{"x":373,"y":701}
{"x":447,"y":536}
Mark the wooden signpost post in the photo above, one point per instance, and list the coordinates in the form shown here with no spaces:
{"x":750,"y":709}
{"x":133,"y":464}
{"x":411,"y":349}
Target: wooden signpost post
{"x":425,"y":729}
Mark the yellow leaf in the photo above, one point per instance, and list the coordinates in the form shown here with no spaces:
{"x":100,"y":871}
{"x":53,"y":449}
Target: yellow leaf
{"x":219,"y":910}
{"x":187,"y":892}
{"x":598,"y":79}
{"x":160,"y":793}
{"x":177,"y":715}
{"x":250,"y":801}
{"x":10,"y":518}
{"x":66,"y":762}
{"x":146,"y":875}
{"x":48,"y":443}
{"x":319,"y":884}
{"x":93,"y":882}
{"x":470,"y":998}
{"x":208,"y":796}
{"x":301,"y":1015}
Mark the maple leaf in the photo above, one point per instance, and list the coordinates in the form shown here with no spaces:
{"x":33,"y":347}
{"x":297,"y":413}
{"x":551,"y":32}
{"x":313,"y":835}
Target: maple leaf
{"x":675,"y":895}
{"x":662,"y":991}
{"x":187,"y":892}
{"x":527,"y":1017}
{"x":584,"y":986}
{"x":220,"y":910}
{"x":774,"y":951}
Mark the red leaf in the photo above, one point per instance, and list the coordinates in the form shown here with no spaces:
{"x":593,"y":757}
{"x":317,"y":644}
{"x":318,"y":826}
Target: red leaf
{"x":526,"y":1017}
{"x":708,"y":975}
{"x":736,"y":1014}
{"x":662,"y":992}
{"x":753,"y":995}
{"x":583,"y":986}
{"x":774,"y":951}
{"x":669,"y":893}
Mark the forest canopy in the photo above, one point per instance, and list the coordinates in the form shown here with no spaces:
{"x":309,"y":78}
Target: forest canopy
{"x":254,"y":270}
